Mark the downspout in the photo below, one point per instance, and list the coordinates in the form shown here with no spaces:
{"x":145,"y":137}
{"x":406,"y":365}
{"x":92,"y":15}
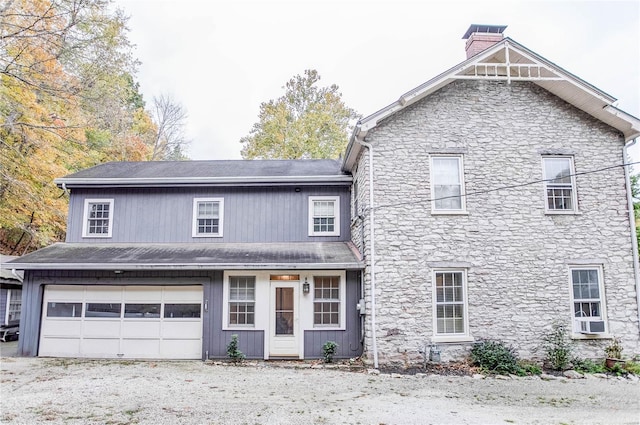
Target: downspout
{"x":632,"y":222}
{"x":372,"y":253}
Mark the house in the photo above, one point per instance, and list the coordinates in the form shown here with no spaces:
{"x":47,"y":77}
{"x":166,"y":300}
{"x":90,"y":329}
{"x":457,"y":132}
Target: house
{"x":170,"y":259}
{"x":493,"y":202}
{"x":10,"y":299}
{"x":488,"y":203}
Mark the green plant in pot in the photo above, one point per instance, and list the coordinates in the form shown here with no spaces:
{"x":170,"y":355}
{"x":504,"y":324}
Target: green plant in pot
{"x":613,"y":352}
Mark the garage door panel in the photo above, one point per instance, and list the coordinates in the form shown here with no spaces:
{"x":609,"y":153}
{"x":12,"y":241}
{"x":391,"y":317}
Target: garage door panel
{"x":186,"y":349}
{"x":122,"y":322}
{"x":101,"y":329}
{"x":100,"y":347}
{"x":139,"y":329}
{"x":141,"y":348}
{"x":62,"y":328}
{"x":180,"y":329}
{"x":60,"y":347}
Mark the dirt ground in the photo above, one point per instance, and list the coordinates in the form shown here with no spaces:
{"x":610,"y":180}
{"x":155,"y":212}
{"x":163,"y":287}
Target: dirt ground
{"x":71,"y":391}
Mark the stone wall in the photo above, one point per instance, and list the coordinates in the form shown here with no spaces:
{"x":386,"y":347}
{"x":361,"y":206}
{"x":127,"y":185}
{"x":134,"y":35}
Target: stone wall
{"x":515,"y":254}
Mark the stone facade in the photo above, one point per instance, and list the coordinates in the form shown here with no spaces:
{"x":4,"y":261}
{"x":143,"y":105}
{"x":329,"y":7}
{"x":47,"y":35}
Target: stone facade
{"x":516,"y":255}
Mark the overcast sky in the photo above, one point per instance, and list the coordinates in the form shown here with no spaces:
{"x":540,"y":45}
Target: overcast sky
{"x":221,"y":59}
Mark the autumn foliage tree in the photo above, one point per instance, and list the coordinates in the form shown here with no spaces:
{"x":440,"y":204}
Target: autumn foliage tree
{"x":68,"y":100}
{"x":308,"y":122}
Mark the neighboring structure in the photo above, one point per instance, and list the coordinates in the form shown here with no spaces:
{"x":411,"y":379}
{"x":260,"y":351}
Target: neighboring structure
{"x":169,"y":259}
{"x":10,"y":299}
{"x":487,"y":203}
{"x":499,"y":205}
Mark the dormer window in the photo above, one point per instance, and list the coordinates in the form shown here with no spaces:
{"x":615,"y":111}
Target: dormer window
{"x":207,"y":217}
{"x":324,"y":216}
{"x":98,"y":218}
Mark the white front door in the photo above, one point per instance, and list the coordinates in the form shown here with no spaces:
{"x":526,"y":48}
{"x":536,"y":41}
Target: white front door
{"x":284,"y":329}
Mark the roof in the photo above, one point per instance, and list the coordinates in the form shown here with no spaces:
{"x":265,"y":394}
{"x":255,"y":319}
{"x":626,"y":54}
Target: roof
{"x":7,"y":273}
{"x":190,"y":173}
{"x":192,"y":256}
{"x":507,"y":60}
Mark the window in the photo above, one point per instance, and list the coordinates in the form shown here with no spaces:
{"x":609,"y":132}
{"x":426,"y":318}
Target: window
{"x":207,"y":217}
{"x":98,"y":218}
{"x":242,"y":296}
{"x":447,"y":184}
{"x":559,"y":184}
{"x":326,"y":301}
{"x":324,"y":216}
{"x":450,"y":302}
{"x":103,"y":310}
{"x":142,"y":311}
{"x":64,"y":309}
{"x":181,"y":311}
{"x":587,"y":300}
{"x":15,"y":303}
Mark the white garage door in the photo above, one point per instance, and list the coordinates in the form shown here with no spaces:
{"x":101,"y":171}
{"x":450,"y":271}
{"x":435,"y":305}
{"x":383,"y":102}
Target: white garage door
{"x":131,"y":322}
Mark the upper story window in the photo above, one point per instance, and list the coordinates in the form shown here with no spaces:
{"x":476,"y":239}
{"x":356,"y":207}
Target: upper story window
{"x":588,"y":300}
{"x":324,"y":216}
{"x":560,"y":185}
{"x":447,"y":184}
{"x":207,"y":217}
{"x":98,"y":218}
{"x":450,"y":303}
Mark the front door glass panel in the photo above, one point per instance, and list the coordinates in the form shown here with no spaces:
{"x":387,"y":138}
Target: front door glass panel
{"x":284,"y":311}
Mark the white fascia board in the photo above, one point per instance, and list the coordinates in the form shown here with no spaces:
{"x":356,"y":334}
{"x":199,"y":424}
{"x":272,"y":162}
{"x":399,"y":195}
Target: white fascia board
{"x":221,"y":266}
{"x":634,"y":123}
{"x":198,"y":181}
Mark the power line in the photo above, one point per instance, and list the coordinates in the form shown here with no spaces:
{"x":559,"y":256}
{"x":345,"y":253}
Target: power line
{"x":513,"y":186}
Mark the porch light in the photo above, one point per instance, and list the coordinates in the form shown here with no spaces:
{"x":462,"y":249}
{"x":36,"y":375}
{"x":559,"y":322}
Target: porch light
{"x":305,"y":286}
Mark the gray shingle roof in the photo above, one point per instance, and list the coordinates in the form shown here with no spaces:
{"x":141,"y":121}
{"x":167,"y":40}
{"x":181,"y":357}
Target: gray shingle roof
{"x":200,"y":256}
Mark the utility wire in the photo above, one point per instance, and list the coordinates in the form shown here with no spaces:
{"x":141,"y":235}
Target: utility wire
{"x":513,"y":186}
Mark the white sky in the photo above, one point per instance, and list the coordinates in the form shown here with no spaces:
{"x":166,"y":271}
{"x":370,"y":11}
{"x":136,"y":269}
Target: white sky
{"x":221,"y":59}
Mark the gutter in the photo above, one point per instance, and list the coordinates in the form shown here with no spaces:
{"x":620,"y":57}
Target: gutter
{"x":632,"y":225}
{"x":374,"y":343}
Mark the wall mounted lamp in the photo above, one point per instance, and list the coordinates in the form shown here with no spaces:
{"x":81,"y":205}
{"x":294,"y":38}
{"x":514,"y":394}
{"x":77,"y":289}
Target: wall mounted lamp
{"x":305,"y":286}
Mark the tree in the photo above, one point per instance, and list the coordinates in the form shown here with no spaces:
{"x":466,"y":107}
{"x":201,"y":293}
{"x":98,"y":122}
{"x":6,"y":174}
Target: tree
{"x":67,"y":101}
{"x":306,"y":122}
{"x":170,"y":119}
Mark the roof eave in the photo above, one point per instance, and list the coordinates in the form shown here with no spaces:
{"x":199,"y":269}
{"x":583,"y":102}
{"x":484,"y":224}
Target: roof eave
{"x":184,"y":266}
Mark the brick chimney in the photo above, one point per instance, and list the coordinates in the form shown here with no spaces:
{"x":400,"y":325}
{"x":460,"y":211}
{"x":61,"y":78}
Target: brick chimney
{"x":481,"y":37}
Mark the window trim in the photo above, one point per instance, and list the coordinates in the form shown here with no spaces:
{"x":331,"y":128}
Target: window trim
{"x":341,"y":302}
{"x":336,"y":215}
{"x":463,"y":204}
{"x":450,"y":337}
{"x":602,"y":299}
{"x":14,"y":298}
{"x":574,"y":188}
{"x":85,"y":215}
{"x":194,"y":224}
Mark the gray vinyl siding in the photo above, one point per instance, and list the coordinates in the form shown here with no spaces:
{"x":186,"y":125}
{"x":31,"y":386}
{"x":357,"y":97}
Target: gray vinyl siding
{"x":251,"y":343}
{"x":349,"y":341}
{"x":3,"y":305}
{"x":273,"y":214}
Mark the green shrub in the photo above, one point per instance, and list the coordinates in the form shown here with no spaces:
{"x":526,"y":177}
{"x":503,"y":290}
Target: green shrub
{"x":329,"y":350}
{"x":632,"y":367}
{"x":588,"y":366}
{"x":495,"y":357}
{"x":557,"y":347}
{"x":528,"y":368}
{"x":234,"y":354}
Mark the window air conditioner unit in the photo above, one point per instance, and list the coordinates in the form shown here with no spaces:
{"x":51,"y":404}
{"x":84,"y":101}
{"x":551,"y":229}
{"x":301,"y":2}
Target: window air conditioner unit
{"x":590,"y":326}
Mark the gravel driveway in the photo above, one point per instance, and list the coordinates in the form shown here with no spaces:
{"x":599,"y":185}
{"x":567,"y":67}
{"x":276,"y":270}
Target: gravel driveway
{"x":69,"y":391}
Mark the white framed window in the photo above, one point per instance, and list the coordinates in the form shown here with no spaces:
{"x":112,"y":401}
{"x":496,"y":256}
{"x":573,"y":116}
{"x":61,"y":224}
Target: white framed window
{"x":14,"y":305}
{"x":587,"y":300}
{"x":324,"y":216}
{"x":450,"y":303}
{"x":98,"y":218}
{"x":559,"y":185}
{"x":208,"y":217}
{"x":242,"y":300}
{"x":447,"y":184}
{"x":326,"y":301}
